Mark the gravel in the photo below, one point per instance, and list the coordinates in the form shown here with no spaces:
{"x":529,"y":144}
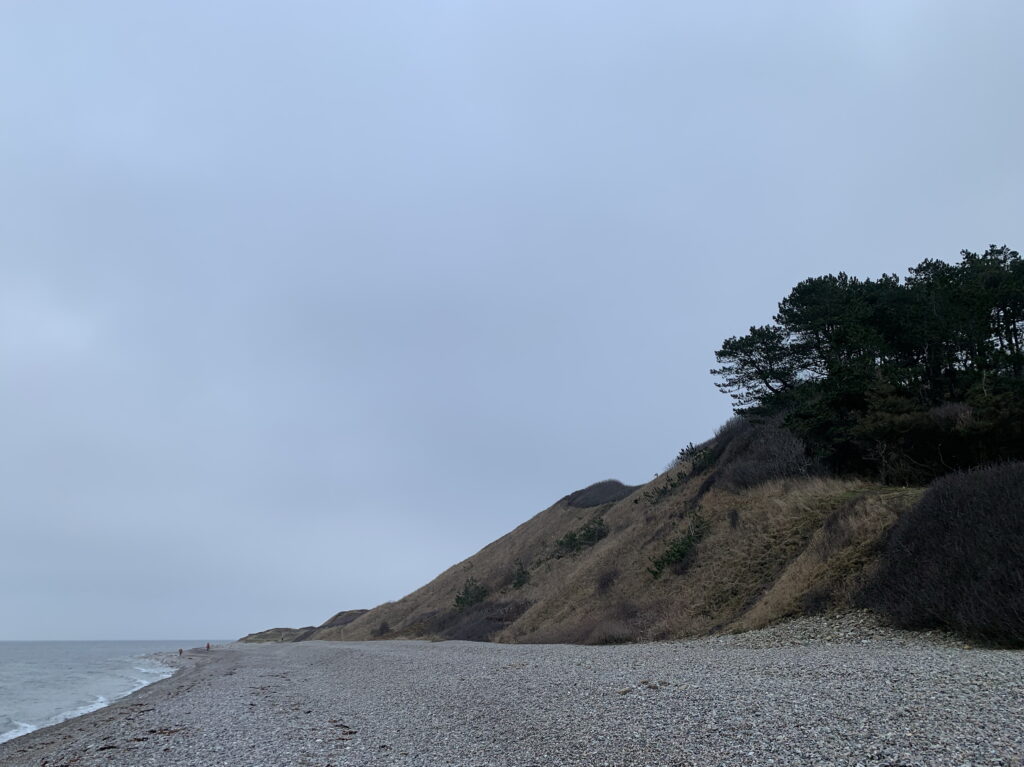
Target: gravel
{"x":818,"y":691}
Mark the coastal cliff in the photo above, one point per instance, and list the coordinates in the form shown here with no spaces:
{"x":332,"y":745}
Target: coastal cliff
{"x":692,"y":552}
{"x":876,"y":460}
{"x":739,"y":533}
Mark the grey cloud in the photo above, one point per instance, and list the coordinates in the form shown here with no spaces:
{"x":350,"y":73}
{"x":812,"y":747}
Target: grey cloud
{"x":299,"y":306}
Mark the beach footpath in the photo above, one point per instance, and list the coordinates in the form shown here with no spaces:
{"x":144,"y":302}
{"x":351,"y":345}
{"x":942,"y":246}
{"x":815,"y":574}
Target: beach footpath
{"x":787,"y":696}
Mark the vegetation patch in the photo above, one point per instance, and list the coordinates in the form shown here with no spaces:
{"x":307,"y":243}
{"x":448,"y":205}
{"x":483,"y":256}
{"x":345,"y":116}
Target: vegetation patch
{"x":520,"y":576}
{"x":763,"y":453}
{"x":583,"y":537}
{"x":700,"y":457}
{"x":475,"y":623}
{"x":902,"y":380}
{"x":606,"y":580}
{"x":473,"y":592}
{"x":956,"y":559}
{"x":655,"y":494}
{"x":598,"y":494}
{"x":679,"y":549}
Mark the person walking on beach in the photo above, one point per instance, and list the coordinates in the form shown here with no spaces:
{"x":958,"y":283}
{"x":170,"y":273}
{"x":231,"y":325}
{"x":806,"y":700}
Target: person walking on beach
{"x":207,"y":647}
{"x":180,"y":651}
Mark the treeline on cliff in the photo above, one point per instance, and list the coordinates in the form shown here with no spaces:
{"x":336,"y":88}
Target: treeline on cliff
{"x":903,"y":380}
{"x":781,"y":512}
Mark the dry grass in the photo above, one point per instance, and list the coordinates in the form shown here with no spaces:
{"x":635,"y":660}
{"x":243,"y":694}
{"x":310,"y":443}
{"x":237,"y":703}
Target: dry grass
{"x":830,"y":570}
{"x":777,"y":549}
{"x":280,"y":635}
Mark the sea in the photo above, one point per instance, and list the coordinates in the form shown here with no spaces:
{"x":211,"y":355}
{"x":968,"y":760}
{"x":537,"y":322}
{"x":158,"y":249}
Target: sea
{"x":42,"y":683}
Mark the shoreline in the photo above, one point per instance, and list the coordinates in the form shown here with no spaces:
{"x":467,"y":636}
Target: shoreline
{"x":102,"y":701}
{"x":178,"y":666}
{"x":782,"y":696}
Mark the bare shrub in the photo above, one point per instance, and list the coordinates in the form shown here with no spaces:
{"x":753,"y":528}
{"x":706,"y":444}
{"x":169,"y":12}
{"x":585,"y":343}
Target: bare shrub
{"x":611,"y":631}
{"x":764,"y":453}
{"x":616,"y":624}
{"x":816,"y":601}
{"x":476,"y":623}
{"x":734,"y":427}
{"x":698,"y":458}
{"x":956,"y":559}
{"x":607,"y":579}
{"x":952,"y":415}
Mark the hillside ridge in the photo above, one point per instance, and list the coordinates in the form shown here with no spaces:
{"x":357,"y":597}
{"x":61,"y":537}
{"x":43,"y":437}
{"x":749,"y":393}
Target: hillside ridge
{"x":738,"y":533}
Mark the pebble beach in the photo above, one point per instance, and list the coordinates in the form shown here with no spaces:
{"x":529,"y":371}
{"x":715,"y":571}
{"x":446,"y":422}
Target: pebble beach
{"x":818,"y":691}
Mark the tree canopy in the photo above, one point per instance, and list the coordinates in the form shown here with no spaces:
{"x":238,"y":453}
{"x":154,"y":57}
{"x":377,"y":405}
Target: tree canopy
{"x":904,"y":379}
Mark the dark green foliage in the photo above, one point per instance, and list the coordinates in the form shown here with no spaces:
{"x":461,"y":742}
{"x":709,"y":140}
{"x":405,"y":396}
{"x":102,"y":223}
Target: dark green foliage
{"x":956,"y":560}
{"x":521,"y":576}
{"x":677,"y":553}
{"x":701,"y":458}
{"x":901,"y":380}
{"x":583,"y":537}
{"x":665,"y":489}
{"x":756,"y":365}
{"x":473,"y":592}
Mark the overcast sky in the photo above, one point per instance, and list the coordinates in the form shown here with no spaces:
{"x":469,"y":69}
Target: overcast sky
{"x":301,"y":303}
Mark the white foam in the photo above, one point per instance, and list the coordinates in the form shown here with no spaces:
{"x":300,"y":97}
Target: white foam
{"x":102,"y":701}
{"x":17,"y":732}
{"x":99,"y":703}
{"x":150,"y":669}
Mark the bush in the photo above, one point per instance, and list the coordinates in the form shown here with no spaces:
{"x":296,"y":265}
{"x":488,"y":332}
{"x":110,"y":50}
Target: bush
{"x":607,"y":579}
{"x":582,"y":538}
{"x":762,"y":454}
{"x":679,"y":550}
{"x":616,"y":626}
{"x":735,"y":427}
{"x":956,"y":559}
{"x":700,"y":457}
{"x":521,"y":576}
{"x":613,"y":623}
{"x":598,"y":494}
{"x":475,"y":623}
{"x":663,"y":490}
{"x":473,"y":592}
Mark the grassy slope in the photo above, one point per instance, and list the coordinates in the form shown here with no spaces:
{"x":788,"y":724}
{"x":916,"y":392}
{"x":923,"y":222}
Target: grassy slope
{"x":779,"y":549}
{"x":299,"y":635}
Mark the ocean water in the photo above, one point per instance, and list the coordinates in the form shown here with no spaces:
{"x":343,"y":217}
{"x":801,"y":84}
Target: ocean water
{"x":42,"y":683}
